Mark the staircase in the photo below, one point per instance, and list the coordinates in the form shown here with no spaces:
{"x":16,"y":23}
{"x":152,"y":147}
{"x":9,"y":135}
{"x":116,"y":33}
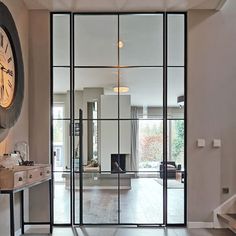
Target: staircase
{"x":229,"y":220}
{"x":225,"y":215}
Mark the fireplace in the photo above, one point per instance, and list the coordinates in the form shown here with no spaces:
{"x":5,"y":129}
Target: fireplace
{"x":118,"y":163}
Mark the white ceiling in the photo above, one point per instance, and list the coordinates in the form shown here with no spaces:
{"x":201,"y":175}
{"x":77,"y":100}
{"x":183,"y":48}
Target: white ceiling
{"x":123,"y":5}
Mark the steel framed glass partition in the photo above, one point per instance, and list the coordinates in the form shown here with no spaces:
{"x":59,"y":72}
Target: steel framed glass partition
{"x":119,"y":118}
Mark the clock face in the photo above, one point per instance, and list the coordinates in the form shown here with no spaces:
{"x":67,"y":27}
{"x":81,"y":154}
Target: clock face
{"x":7,"y":70}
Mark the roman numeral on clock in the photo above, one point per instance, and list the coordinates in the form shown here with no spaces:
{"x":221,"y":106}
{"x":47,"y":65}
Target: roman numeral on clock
{"x":6,"y":48}
{"x":10,"y":72}
{"x":1,"y":40}
{"x":9,"y":59}
{"x":9,"y":84}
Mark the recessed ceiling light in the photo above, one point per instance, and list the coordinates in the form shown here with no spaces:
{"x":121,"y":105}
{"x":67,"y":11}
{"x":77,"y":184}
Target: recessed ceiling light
{"x":121,"y":89}
{"x":120,"y":44}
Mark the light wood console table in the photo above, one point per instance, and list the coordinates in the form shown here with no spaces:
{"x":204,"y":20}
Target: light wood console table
{"x":20,"y":178}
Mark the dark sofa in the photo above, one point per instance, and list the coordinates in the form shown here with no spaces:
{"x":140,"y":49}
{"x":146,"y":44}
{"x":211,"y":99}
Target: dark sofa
{"x":171,"y":170}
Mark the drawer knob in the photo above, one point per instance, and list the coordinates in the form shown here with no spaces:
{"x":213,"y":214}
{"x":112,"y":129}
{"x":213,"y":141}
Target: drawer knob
{"x":41,"y":173}
{"x":20,"y":179}
{"x":30,"y":176}
{"x":48,"y":171}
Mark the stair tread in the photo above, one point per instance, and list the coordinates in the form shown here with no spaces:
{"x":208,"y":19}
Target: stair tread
{"x":229,"y":218}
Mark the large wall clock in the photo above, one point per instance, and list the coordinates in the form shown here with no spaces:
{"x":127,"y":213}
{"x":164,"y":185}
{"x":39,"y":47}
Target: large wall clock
{"x":11,"y":70}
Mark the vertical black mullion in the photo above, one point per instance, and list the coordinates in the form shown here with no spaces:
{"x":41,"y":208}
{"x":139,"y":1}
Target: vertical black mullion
{"x":185,"y":116}
{"x":81,"y":164}
{"x":118,"y":55}
{"x":165,"y":119}
{"x":51,"y":118}
{"x":72,"y":180}
{"x":22,"y":208}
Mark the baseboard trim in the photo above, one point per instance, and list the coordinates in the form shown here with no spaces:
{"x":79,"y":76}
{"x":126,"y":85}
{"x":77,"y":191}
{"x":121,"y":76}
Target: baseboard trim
{"x":18,"y":232}
{"x":198,"y":225}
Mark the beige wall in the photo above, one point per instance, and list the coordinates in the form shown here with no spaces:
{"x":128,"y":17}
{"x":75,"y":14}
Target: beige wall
{"x":39,"y":105}
{"x":211,"y":108}
{"x":20,"y":132}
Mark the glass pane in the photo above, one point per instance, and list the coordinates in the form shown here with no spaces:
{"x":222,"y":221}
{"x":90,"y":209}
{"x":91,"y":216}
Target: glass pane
{"x":143,"y":151}
{"x":61,"y":92}
{"x":175,"y":40}
{"x":145,"y":93}
{"x":61,"y":198}
{"x":61,"y":39}
{"x":104,"y":143}
{"x":175,"y":93}
{"x":175,"y":199}
{"x":150,"y":152}
{"x":100,"y":197}
{"x":96,"y":85}
{"x":142,"y":38}
{"x":141,"y":198}
{"x":100,"y":180}
{"x":61,"y":145}
{"x":175,"y":171}
{"x":96,"y":40}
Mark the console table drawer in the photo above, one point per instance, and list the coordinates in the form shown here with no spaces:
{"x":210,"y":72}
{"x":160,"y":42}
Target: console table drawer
{"x":20,"y":179}
{"x":47,"y":171}
{"x":33,"y":175}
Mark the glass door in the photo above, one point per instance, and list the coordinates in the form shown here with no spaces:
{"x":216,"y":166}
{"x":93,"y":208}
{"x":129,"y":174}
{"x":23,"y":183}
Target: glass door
{"x":121,"y":81}
{"x":96,"y":74}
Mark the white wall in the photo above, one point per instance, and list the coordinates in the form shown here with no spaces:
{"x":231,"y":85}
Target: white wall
{"x":20,"y":132}
{"x":211,"y":108}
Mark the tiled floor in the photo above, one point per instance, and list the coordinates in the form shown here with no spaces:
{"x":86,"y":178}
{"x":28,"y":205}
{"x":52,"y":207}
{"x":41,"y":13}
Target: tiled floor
{"x":126,"y":231}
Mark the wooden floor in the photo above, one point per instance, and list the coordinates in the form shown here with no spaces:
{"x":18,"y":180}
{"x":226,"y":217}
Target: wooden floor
{"x":142,"y":204}
{"x":125,"y":231}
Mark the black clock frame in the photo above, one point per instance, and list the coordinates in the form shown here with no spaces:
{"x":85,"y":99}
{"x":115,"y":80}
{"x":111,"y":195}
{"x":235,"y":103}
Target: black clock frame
{"x":9,"y":115}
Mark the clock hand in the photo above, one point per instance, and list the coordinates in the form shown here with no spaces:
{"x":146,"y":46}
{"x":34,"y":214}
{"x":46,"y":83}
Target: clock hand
{"x":2,"y":84}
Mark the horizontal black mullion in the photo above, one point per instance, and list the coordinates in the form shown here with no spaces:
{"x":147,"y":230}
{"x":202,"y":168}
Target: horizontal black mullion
{"x":117,"y":67}
{"x":61,"y":66}
{"x":120,"y":67}
{"x":37,"y":223}
{"x":115,"y":119}
{"x":119,"y":13}
{"x":118,"y":119}
{"x":126,"y":13}
{"x":120,"y":173}
{"x":61,"y":171}
{"x":121,"y":224}
{"x":176,"y":67}
{"x":62,"y":119}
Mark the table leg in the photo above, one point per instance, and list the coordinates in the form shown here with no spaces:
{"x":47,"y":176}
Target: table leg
{"x":12,"y":223}
{"x":22,"y":212}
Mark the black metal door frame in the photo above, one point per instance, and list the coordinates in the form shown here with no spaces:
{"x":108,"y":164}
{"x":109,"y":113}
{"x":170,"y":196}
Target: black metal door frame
{"x":73,"y":118}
